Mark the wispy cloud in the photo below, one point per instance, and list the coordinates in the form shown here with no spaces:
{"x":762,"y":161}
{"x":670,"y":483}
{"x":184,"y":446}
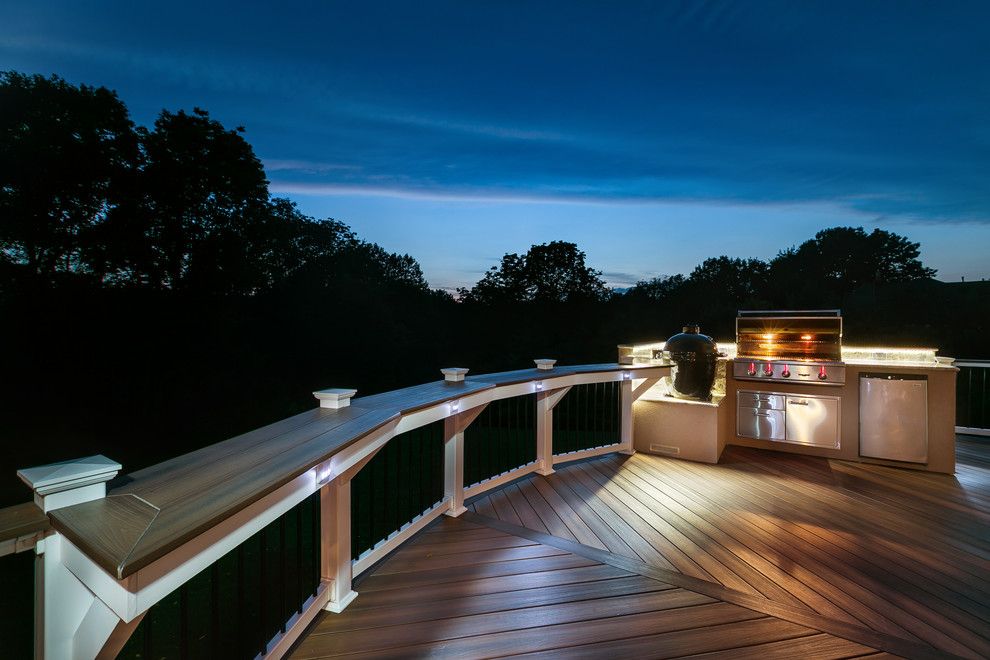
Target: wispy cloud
{"x":656,"y":105}
{"x":308,"y":166}
{"x":451,"y":123}
{"x":445,"y":194}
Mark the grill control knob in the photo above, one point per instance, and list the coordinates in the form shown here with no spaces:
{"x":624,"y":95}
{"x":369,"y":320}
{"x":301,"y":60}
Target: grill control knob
{"x":768,"y":369}
{"x":821,"y":373}
{"x":786,"y":373}
{"x":752,"y":369}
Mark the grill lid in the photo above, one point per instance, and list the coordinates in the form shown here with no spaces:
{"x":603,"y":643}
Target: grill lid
{"x":790,"y":334}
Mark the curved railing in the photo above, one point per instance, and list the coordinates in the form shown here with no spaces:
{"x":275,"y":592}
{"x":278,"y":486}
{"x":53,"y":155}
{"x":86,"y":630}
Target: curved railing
{"x":234,"y":548}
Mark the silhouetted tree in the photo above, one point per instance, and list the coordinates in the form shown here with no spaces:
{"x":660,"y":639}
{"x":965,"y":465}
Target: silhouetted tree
{"x":206,"y":205}
{"x":550,"y":272}
{"x":660,"y":289}
{"x":839,"y":260}
{"x":67,"y":155}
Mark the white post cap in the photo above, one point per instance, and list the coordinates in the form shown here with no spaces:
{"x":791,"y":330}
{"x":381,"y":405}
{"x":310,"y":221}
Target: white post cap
{"x":66,"y":483}
{"x":544,"y":363}
{"x":334,"y":397}
{"x":454,"y":374}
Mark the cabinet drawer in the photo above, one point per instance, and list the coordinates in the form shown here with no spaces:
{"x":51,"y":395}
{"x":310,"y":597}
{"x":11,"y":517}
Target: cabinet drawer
{"x":760,"y":424}
{"x":763,"y":400}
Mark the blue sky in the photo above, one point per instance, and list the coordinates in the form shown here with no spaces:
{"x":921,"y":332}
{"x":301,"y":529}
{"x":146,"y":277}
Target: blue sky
{"x":652,"y":134}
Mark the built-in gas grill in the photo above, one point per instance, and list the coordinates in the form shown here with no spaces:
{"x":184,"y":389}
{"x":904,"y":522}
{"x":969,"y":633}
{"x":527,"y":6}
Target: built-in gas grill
{"x":790,"y":346}
{"x":796,"y":348}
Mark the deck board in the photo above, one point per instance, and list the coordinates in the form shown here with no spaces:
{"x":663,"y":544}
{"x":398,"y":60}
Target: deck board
{"x":902,"y":552}
{"x":586,"y":608}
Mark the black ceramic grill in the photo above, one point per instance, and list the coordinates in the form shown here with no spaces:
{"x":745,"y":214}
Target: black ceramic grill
{"x":695,"y":357}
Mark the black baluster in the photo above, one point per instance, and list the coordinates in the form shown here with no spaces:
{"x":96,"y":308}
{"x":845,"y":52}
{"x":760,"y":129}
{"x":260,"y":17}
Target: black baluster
{"x":215,"y":609}
{"x":184,"y":621}
{"x":300,"y":594}
{"x":242,"y":633}
{"x":984,"y":399}
{"x":148,"y":624}
{"x":316,"y":548}
{"x":263,"y":591}
{"x":597,"y":414}
{"x":283,"y":596}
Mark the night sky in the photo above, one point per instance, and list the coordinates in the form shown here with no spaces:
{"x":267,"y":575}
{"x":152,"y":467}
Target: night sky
{"x":654,"y":135}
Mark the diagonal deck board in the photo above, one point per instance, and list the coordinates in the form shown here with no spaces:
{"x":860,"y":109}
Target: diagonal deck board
{"x":588,"y":609}
{"x":902,"y":552}
{"x":765,"y":555}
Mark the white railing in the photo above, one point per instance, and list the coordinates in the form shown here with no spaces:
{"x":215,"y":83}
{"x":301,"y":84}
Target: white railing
{"x":83,"y":610}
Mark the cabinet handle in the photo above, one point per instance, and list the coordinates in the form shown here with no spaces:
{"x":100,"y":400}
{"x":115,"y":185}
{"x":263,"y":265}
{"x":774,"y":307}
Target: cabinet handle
{"x":798,"y":403}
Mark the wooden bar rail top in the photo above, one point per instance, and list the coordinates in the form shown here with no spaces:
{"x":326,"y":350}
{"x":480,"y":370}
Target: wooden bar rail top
{"x":21,"y":526}
{"x":151,"y":512}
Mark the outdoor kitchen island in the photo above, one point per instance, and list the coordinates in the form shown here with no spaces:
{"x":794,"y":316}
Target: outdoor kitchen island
{"x":700,"y":430}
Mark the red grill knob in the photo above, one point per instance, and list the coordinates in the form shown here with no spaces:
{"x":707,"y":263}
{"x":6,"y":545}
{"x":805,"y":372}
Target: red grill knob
{"x":752,"y":369}
{"x":768,"y":369}
{"x":786,"y":373}
{"x":821,"y":373}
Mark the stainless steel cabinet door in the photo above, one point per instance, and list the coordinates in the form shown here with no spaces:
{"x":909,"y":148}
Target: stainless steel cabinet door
{"x":813,"y":421}
{"x":893,"y":417}
{"x":760,"y":424}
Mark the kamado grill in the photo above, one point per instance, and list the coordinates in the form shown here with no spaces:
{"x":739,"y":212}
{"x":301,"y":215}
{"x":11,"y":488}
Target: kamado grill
{"x":802,"y":346}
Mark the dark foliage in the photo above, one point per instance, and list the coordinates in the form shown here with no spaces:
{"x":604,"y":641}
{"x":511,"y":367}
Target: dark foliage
{"x":66,"y":157}
{"x":553,"y":272}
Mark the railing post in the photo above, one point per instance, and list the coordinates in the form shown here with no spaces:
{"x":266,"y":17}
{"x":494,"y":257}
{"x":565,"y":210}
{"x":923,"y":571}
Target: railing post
{"x":70,"y":620}
{"x":453,"y":450}
{"x":335,"y":546}
{"x":625,"y":411}
{"x":453,"y":466}
{"x":544,"y":422}
{"x":544,"y":434}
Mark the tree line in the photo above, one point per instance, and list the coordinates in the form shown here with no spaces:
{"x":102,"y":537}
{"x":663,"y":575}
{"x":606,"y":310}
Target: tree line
{"x":184,"y":206}
{"x":823,"y":270}
{"x":87,"y":196}
{"x":157,"y":298}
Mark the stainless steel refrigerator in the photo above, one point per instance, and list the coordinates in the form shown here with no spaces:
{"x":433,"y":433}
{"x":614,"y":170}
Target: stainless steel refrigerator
{"x":893,"y":417}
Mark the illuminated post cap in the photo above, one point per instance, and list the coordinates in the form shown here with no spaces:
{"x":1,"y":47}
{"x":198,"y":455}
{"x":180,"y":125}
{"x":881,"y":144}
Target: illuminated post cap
{"x":544,"y":363}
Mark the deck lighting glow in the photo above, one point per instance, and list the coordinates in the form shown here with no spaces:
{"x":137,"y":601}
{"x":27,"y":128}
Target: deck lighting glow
{"x":454,"y":406}
{"x":626,"y":375}
{"x":539,"y":385}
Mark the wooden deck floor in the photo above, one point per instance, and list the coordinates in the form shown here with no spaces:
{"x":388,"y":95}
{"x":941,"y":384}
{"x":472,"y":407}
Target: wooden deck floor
{"x":766,"y":554}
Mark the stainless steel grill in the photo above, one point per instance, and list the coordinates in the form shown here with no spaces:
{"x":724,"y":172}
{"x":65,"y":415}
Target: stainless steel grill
{"x":790,"y":346}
